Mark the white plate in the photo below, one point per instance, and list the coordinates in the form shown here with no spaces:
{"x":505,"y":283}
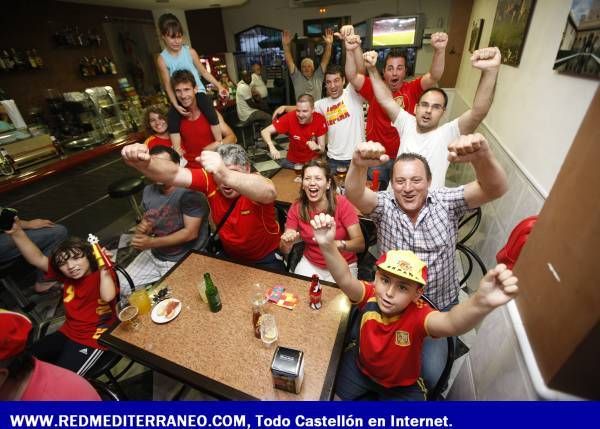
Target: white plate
{"x":159,"y":308}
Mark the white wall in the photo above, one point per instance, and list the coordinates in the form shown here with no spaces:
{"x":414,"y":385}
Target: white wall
{"x":278,"y":14}
{"x":536,"y":112}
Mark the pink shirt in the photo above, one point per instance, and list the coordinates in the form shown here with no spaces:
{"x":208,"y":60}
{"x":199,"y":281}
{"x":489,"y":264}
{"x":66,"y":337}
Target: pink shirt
{"x":52,"y":383}
{"x":345,"y":216}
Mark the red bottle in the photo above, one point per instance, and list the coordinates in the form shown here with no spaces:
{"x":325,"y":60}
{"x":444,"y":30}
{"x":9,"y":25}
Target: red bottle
{"x":375,"y":182}
{"x":314,"y":293}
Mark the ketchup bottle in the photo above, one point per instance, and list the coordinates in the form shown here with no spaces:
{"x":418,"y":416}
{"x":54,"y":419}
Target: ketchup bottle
{"x":375,"y":182}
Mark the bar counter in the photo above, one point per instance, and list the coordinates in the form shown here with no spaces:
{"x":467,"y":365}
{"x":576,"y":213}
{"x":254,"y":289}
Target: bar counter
{"x":67,"y":161}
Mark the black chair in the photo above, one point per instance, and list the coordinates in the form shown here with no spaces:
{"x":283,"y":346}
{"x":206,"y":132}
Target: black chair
{"x":108,"y":360}
{"x":467,"y":251}
{"x":476,"y":214}
{"x":127,"y":188}
{"x":43,"y":309}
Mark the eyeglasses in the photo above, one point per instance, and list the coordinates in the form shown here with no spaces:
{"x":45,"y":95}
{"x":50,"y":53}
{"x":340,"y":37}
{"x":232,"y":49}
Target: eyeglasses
{"x":426,"y":105}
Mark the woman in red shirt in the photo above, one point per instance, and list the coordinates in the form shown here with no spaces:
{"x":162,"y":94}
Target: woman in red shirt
{"x":318,"y":195}
{"x":155,"y":121}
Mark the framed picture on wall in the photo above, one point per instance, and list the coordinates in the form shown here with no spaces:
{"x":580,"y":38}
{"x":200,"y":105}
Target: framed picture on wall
{"x":509,"y":31}
{"x":579,"y":50}
{"x":476,"y":29}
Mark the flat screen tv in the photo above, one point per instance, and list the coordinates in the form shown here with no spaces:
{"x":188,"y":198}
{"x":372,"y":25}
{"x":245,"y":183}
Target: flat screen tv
{"x":396,"y":31}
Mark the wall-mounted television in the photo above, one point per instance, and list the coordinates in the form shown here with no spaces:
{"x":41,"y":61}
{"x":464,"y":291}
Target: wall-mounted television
{"x":396,"y":32}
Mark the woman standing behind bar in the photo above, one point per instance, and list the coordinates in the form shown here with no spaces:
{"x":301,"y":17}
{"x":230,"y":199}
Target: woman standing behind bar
{"x":318,"y":195}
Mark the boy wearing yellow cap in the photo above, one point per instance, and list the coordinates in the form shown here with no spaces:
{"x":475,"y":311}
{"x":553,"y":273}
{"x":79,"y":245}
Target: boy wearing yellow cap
{"x":394,"y":321}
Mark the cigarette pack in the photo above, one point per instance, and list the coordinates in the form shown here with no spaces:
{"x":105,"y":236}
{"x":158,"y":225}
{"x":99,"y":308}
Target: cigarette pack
{"x":287,"y":368}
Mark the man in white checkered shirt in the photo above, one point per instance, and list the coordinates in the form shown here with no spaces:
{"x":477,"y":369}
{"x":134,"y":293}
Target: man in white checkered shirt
{"x":410,"y":217}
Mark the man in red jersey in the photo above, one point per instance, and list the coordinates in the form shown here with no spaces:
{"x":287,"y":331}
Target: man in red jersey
{"x":306,"y":130}
{"x":406,"y":94}
{"x":250,"y":233}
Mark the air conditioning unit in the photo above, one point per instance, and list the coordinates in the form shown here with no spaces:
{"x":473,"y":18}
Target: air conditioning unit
{"x":319,"y":3}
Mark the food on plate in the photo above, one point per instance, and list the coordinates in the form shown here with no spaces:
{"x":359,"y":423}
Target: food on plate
{"x":168,"y":309}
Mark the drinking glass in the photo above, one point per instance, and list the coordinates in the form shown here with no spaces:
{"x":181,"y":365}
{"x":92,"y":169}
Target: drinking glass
{"x":141,"y":300}
{"x":268,"y":329}
{"x":298,"y":171}
{"x":128,"y":315}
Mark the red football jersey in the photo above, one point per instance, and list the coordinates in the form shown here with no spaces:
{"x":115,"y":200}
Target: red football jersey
{"x":298,"y":150}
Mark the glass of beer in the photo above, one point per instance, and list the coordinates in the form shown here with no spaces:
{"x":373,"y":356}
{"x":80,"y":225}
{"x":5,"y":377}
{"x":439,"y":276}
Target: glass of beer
{"x":340,"y":175}
{"x":298,"y":171}
{"x":128,"y":316}
{"x":141,"y":300}
{"x":268,"y":329}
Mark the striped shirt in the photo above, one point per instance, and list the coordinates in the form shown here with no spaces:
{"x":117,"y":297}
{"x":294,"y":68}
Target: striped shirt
{"x":432,"y":238}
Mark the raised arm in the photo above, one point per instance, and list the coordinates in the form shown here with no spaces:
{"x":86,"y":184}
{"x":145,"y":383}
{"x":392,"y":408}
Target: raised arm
{"x":328,"y":38}
{"x":324,"y":229}
{"x":488,"y":61}
{"x":254,"y":186}
{"x":282,"y":110}
{"x":366,"y":154}
{"x":496,"y":288}
{"x":223,"y":92}
{"x":158,"y":170}
{"x":28,"y":249}
{"x":490,"y":179}
{"x":382,"y":92}
{"x":354,"y":67}
{"x":266,"y":134}
{"x":436,"y":70}
{"x":286,"y":41}
{"x":108,"y":289}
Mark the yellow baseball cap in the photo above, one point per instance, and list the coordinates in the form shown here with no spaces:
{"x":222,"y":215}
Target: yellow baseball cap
{"x":405,"y":264}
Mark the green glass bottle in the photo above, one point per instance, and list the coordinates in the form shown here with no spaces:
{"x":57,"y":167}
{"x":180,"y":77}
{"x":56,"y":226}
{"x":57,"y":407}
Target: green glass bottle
{"x":212,"y":294}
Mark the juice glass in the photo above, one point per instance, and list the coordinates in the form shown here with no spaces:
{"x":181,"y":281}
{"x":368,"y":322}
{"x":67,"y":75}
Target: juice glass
{"x":141,"y":300}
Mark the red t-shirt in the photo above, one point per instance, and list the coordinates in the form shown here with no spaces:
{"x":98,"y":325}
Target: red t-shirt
{"x":87,"y":316}
{"x":345,"y":216}
{"x":195,"y":136}
{"x":390,"y":347}
{"x":250,"y":232}
{"x":379,"y":125}
{"x":298,"y":150}
{"x":153,"y":141}
{"x":52,"y":383}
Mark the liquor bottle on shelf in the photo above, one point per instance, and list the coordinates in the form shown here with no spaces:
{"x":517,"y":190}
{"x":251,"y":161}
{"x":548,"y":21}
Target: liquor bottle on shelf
{"x":18,"y":60}
{"x":31,"y":60}
{"x":38,"y":59}
{"x":8,"y":62}
{"x":113,"y":66}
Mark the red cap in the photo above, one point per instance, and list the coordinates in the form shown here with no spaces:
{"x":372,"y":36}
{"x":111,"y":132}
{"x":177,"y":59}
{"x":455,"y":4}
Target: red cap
{"x":15,"y":329}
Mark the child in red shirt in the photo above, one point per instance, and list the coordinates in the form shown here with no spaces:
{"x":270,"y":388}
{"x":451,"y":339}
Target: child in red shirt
{"x":89,"y":298}
{"x":394,"y":320}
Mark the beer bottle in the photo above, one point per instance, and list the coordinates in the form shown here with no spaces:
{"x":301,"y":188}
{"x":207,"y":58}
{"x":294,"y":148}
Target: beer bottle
{"x":212,"y":294}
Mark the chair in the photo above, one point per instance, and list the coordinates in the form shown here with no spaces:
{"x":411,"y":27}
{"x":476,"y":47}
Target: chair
{"x":467,"y":251}
{"x":108,"y":361}
{"x":476,"y":214}
{"x":43,"y":309}
{"x":434,"y":393}
{"x":127,"y":188}
{"x":248,"y":132}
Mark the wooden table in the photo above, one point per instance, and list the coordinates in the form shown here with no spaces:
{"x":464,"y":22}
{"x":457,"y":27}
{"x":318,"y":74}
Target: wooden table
{"x":287,"y":189}
{"x":218,"y":353}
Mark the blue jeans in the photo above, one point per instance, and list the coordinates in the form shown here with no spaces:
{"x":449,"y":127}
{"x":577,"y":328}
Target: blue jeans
{"x":285,"y":163}
{"x":352,"y":384}
{"x":434,"y":356}
{"x":385,"y":172}
{"x":270,"y":261}
{"x":335,"y":163}
{"x":46,"y":239}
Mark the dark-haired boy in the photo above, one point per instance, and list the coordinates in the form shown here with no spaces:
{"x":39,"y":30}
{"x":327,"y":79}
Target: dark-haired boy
{"x":394,"y":321}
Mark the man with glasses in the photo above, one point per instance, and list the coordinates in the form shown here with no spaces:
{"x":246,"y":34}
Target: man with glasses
{"x":421,"y":133}
{"x":405,"y":94}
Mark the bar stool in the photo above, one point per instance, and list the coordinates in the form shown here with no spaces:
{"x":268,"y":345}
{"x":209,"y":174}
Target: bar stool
{"x":128,"y":187}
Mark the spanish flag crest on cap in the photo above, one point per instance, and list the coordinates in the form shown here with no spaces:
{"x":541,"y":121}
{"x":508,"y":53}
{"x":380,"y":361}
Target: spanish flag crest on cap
{"x":405,"y":264}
